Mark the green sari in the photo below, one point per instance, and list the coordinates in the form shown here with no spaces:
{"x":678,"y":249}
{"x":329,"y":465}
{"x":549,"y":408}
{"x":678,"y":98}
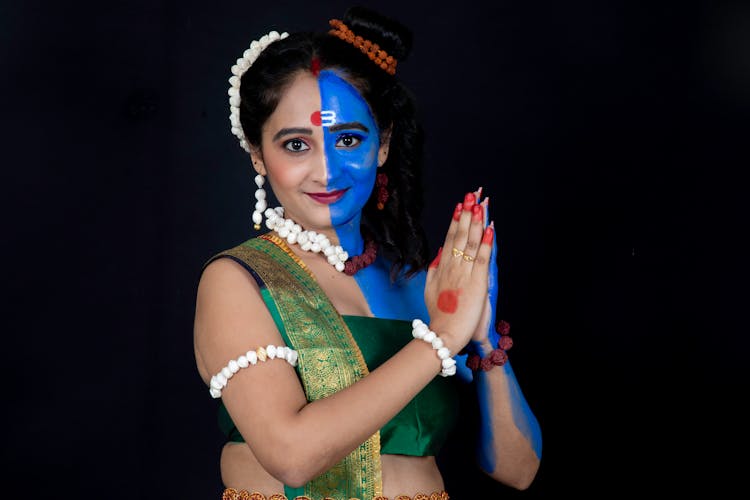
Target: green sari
{"x":329,"y":358}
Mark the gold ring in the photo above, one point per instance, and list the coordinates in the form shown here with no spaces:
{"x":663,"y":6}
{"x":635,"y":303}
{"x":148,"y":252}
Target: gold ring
{"x":467,"y":258}
{"x":457,"y":252}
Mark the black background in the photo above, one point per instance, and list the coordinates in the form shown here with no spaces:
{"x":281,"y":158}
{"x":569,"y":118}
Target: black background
{"x":611,"y":137}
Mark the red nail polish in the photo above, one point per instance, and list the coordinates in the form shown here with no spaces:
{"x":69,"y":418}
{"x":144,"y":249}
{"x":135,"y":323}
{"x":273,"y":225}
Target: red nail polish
{"x":469,"y":201}
{"x":477,"y":211}
{"x":436,"y":260}
{"x":489,"y":234}
{"x":457,"y":211}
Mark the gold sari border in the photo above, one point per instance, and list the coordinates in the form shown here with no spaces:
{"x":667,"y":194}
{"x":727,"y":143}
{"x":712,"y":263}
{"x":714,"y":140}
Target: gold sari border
{"x":233,"y":494}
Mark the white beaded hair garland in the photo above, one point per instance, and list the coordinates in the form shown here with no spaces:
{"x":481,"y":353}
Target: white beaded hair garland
{"x":309,"y":241}
{"x":221,"y":379}
{"x":422,"y":332}
{"x":238,"y":69}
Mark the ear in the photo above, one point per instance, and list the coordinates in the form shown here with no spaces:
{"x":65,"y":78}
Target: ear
{"x":257,"y":158}
{"x":385,"y":141}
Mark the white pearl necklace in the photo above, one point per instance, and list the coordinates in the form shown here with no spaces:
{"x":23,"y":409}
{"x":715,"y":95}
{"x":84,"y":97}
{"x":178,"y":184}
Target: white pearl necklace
{"x":309,"y":241}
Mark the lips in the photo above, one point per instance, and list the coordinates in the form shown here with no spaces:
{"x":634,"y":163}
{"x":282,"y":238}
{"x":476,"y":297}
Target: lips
{"x":327,"y":198}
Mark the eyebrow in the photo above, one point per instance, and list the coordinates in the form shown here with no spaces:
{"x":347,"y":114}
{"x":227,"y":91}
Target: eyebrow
{"x":354,"y":125}
{"x":292,"y":130}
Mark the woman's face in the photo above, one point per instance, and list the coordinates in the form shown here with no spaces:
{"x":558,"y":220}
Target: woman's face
{"x":320,"y":150}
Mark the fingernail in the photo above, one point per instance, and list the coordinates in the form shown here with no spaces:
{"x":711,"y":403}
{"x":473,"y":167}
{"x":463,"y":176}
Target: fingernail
{"x":469,"y":201}
{"x":457,"y":211}
{"x":476,"y":213}
{"x":489,"y":234}
{"x":436,"y":260}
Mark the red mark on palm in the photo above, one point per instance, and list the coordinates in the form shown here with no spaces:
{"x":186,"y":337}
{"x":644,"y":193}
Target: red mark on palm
{"x":315,"y":119}
{"x":448,"y":301}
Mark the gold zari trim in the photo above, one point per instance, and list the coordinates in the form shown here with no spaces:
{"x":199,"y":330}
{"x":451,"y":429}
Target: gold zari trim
{"x":281,"y":243}
{"x":233,"y":494}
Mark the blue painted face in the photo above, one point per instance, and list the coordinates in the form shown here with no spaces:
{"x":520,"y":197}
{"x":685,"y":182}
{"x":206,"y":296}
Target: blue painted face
{"x":351,"y":141}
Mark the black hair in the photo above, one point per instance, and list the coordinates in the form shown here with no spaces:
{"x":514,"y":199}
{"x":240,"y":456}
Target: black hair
{"x":397,"y":227}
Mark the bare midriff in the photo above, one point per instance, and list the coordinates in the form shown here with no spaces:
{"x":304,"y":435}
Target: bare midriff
{"x":402,"y":474}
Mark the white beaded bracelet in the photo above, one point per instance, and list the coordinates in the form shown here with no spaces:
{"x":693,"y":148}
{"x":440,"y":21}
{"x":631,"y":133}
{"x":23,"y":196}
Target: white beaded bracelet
{"x":220,"y":380}
{"x":421,"y":331}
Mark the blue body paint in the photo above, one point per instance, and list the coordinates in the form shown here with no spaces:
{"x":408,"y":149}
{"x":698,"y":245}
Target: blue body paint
{"x":487,"y":451}
{"x":403,"y":299}
{"x":354,"y":169}
{"x":523,"y":418}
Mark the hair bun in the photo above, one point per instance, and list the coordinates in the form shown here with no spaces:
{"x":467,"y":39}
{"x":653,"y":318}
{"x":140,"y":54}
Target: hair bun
{"x":391,"y":35}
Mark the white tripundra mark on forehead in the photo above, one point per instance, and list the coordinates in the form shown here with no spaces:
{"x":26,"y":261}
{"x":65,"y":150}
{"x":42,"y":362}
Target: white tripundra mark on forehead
{"x":327,"y":117}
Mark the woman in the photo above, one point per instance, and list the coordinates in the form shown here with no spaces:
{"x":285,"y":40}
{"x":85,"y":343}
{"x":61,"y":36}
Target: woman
{"x":323,"y":337}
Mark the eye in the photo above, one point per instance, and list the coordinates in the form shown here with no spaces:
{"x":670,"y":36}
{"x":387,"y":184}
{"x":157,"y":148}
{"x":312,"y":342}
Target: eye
{"x":348,"y":141}
{"x":296,"y":145}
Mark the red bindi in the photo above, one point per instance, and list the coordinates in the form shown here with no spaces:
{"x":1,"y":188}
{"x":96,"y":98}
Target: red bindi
{"x":315,"y":66}
{"x":315,"y":119}
{"x":448,"y":301}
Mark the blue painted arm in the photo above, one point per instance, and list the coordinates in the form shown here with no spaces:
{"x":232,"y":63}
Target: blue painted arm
{"x":523,"y":417}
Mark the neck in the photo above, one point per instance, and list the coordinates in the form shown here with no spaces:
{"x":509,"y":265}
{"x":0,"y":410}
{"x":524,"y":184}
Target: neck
{"x":321,"y":242}
{"x":349,"y":235}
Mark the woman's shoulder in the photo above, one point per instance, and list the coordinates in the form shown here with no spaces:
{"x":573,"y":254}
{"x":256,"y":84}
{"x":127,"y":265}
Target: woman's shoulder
{"x":230,"y":267}
{"x":230,"y":314}
{"x":234,"y":251}
{"x":251,"y":255}
{"x":225,"y":278}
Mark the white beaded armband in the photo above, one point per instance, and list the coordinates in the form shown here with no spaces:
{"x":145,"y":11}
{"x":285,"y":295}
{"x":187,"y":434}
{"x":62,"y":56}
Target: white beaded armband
{"x":220,"y":380}
{"x":421,"y":331}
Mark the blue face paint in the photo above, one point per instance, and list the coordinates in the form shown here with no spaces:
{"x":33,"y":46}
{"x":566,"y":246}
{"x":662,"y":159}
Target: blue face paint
{"x":351,"y":141}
